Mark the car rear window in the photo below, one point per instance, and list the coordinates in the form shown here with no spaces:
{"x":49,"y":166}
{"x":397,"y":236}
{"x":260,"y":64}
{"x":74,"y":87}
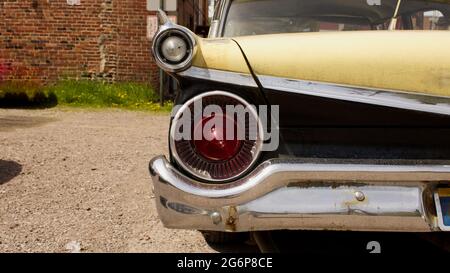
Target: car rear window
{"x":255,"y":17}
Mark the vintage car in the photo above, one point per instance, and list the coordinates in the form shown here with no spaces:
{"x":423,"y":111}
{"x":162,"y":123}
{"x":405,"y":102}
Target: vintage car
{"x":351,"y":101}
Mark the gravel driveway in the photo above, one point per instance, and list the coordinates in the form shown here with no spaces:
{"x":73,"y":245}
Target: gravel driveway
{"x":78,"y":179}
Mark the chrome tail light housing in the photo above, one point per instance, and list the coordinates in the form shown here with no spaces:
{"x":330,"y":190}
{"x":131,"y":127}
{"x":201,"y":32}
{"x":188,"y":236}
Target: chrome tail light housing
{"x":222,"y":152}
{"x":173,"y":46}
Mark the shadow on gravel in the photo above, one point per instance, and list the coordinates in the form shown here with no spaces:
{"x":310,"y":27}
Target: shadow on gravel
{"x":9,"y":170}
{"x":8,"y":123}
{"x":235,"y":248}
{"x":22,"y":101}
{"x":346,"y":242}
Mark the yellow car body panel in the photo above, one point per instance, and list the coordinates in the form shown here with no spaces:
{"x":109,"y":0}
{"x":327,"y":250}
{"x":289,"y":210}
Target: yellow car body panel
{"x":408,"y":61}
{"x":220,"y":54}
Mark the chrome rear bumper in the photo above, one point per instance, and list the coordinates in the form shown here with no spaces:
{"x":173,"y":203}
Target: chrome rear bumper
{"x":289,"y":194}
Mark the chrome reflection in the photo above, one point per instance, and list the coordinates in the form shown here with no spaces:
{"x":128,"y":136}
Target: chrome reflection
{"x":219,"y":76}
{"x":380,"y":200}
{"x":395,"y":99}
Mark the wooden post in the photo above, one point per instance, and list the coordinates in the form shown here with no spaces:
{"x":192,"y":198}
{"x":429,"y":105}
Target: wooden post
{"x":205,"y":12}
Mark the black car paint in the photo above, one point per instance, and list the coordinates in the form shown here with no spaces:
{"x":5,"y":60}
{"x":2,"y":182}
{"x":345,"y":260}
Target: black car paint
{"x":320,"y":128}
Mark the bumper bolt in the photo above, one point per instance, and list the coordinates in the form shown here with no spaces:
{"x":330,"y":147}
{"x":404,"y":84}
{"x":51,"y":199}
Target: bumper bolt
{"x":359,"y":196}
{"x":216,"y":218}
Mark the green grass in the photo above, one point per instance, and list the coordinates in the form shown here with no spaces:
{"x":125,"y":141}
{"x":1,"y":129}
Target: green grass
{"x":91,"y":94}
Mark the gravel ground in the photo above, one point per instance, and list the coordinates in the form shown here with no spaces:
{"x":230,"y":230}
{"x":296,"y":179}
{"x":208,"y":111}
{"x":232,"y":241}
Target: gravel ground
{"x":78,"y":180}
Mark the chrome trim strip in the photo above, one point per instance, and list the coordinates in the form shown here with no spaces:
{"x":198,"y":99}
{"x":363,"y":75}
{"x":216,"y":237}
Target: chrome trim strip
{"x":395,"y":99}
{"x":290,"y":194}
{"x":219,"y":76}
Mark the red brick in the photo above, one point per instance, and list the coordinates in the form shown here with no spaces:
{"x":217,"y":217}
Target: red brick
{"x":47,"y":40}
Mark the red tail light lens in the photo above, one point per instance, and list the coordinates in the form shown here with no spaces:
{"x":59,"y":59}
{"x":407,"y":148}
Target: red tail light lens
{"x":217,"y":157}
{"x":217,"y":148}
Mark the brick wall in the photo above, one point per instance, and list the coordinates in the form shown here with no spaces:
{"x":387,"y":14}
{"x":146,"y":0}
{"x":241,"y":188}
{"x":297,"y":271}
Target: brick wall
{"x":133,"y":56}
{"x":43,"y":40}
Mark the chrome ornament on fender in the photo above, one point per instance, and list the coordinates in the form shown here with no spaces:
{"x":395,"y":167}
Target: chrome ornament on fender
{"x":173,"y":46}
